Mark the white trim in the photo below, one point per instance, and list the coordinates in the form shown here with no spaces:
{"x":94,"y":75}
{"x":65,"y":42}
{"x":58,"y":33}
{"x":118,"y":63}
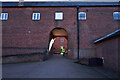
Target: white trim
{"x":59,"y":16}
{"x":118,"y":13}
{"x":4,"y":16}
{"x":36,"y":16}
{"x":79,"y":16}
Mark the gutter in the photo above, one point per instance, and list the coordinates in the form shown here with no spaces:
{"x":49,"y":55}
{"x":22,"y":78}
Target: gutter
{"x":59,"y":4}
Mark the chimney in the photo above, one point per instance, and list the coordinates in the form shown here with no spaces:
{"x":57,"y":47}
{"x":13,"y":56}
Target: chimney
{"x":21,"y":3}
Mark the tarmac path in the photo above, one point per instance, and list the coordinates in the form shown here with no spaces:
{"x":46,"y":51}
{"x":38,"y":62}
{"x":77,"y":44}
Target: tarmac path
{"x":56,"y":67}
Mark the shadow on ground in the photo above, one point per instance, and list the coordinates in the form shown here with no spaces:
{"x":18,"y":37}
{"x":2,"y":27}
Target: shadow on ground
{"x":56,"y":67}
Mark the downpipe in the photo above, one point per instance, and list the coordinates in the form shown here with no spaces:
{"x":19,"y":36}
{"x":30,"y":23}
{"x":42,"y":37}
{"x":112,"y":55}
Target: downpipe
{"x":77,"y":7}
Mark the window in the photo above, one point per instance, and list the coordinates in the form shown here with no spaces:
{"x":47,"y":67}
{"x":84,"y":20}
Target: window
{"x":4,"y":16}
{"x":61,"y":39}
{"x":82,"y":16}
{"x":36,"y":16}
{"x":59,"y":16}
{"x":116,"y":15}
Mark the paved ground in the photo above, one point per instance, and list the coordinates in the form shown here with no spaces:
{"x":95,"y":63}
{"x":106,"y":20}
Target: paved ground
{"x":56,"y":67}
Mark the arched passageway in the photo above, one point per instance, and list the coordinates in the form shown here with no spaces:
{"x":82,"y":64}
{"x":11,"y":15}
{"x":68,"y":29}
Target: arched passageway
{"x":58,"y":38}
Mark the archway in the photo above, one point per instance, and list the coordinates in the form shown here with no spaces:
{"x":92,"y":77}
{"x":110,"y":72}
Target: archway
{"x":58,"y":38}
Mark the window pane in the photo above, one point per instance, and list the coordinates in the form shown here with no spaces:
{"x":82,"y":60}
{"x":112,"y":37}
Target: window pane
{"x":36,"y":16}
{"x":58,"y":16}
{"x":116,"y":15}
{"x":119,"y":16}
{"x":82,"y":16}
{"x":4,"y":16}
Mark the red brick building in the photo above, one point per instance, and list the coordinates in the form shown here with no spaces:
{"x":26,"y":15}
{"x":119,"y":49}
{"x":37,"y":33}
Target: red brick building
{"x":29,"y":28}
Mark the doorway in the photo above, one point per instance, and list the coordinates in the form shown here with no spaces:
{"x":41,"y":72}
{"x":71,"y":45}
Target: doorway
{"x":58,"y":38}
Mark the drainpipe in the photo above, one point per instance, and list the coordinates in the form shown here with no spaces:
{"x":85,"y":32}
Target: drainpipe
{"x":77,"y":7}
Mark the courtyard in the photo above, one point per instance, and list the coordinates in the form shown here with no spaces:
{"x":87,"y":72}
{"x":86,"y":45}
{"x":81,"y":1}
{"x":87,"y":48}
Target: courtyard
{"x":55,"y":67}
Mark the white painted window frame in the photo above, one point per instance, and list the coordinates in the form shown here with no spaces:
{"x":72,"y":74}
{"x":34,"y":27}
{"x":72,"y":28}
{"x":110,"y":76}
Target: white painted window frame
{"x":36,"y":16}
{"x":4,"y":16}
{"x":116,"y":17}
{"x":58,"y":15}
{"x":81,"y":18}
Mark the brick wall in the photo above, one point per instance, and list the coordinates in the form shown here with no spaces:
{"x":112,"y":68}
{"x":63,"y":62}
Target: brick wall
{"x":99,"y":23}
{"x":18,"y":40}
{"x":57,"y":44}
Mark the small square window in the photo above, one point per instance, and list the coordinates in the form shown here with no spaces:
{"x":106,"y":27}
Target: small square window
{"x":116,"y":15}
{"x":36,"y":16}
{"x":4,"y":16}
{"x":61,"y":39}
{"x":82,"y":16}
{"x":59,"y":16}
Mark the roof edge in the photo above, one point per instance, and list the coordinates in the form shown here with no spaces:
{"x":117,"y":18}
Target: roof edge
{"x":58,"y":4}
{"x":113,"y":34}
